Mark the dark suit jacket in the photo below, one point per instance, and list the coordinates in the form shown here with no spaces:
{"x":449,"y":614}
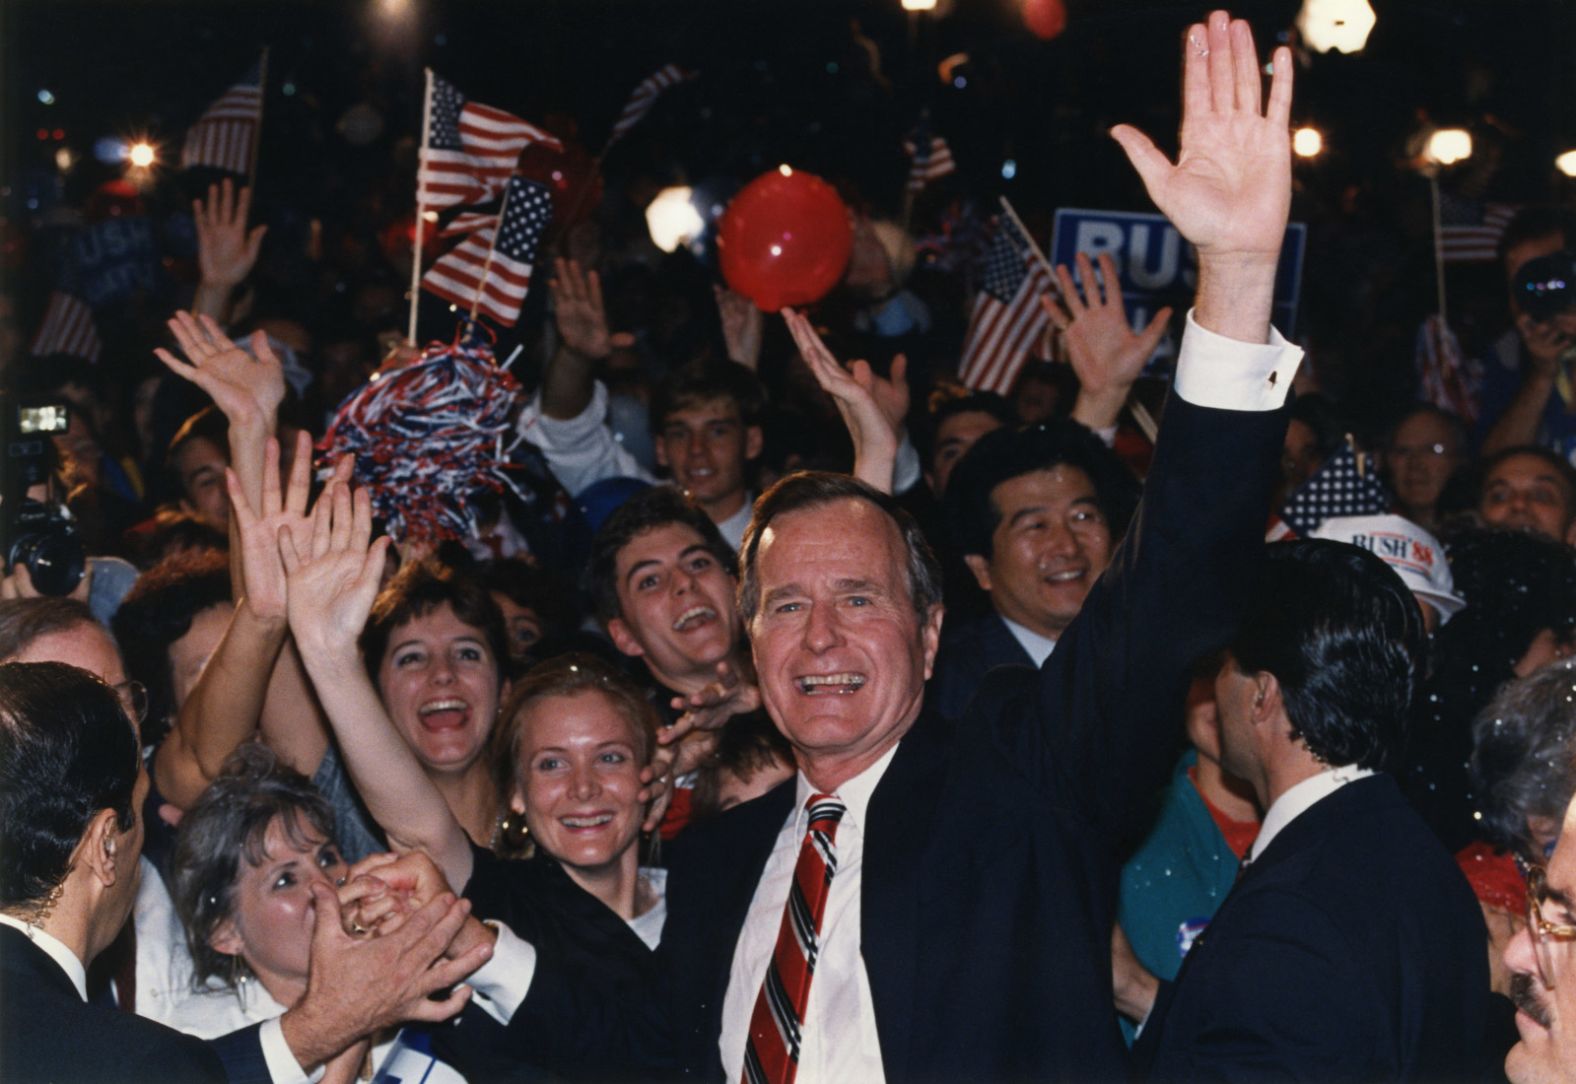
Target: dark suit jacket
{"x":1352,"y":949}
{"x":48,"y":1033}
{"x":969,"y":651}
{"x":989,"y":881}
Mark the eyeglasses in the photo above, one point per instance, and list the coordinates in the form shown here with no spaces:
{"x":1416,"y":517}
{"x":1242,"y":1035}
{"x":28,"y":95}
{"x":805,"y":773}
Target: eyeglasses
{"x":134,"y":698}
{"x":1543,"y":931}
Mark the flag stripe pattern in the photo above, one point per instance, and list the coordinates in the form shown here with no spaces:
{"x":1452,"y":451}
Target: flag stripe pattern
{"x":472,"y":149}
{"x":68,"y":328}
{"x":223,"y":137}
{"x":1469,"y":231}
{"x":463,"y":274}
{"x":1338,"y":488}
{"x":1008,"y":319}
{"x":930,"y":159}
{"x":644,"y":96}
{"x":771,"y":1050}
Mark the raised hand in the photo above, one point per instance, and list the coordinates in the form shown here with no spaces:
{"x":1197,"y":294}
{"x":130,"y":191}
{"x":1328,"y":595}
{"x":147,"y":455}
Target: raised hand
{"x":578,"y":310}
{"x":712,"y":705}
{"x":872,"y":408}
{"x":1230,"y":189}
{"x":247,"y":388}
{"x":1105,"y":352}
{"x":226,"y":249}
{"x":333,"y":575}
{"x":262,"y":572}
{"x":743,"y":325}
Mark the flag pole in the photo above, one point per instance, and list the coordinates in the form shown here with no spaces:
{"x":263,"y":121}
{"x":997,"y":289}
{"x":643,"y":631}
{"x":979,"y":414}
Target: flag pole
{"x":421,"y":209}
{"x":1439,"y":248}
{"x":1029,"y":237}
{"x":487,"y":266}
{"x":257,"y":134}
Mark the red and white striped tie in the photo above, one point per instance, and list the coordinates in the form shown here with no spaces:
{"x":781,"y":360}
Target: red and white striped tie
{"x":771,"y":1051}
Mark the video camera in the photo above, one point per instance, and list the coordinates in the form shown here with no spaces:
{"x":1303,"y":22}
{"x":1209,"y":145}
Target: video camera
{"x":1545,"y":287}
{"x":34,"y":533}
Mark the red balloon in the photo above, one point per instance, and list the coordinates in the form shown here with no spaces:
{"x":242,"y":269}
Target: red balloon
{"x":784,"y":239}
{"x":1045,"y":18}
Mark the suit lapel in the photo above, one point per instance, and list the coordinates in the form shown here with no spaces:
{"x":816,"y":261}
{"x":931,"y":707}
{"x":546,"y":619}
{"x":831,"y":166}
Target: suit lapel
{"x":902,"y":814}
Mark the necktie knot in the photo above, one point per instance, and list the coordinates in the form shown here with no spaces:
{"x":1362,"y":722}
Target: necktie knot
{"x":824,"y":811}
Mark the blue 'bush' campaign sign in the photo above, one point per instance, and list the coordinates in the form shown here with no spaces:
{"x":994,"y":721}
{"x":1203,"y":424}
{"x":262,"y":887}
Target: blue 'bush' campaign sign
{"x":1157,"y":267}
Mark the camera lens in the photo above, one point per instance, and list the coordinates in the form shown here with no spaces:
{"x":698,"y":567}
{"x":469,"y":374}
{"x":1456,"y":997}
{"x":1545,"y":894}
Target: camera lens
{"x":54,"y":560}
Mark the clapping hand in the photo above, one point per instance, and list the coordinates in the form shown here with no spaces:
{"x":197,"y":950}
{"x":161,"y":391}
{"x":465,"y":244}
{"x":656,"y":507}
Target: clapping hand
{"x":248,"y":391}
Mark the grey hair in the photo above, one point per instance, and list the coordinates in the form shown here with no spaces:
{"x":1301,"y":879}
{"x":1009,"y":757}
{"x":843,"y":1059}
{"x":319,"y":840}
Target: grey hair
{"x":1524,"y":755}
{"x":228,"y":826}
{"x":811,"y":489}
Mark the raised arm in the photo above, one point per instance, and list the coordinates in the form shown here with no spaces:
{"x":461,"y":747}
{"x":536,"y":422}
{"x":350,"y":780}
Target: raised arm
{"x":872,"y":408}
{"x":224,"y":707}
{"x":1109,"y":697}
{"x":1105,"y":352}
{"x":1229,"y":191}
{"x":226,"y":249}
{"x":583,"y":340}
{"x":333,"y":580}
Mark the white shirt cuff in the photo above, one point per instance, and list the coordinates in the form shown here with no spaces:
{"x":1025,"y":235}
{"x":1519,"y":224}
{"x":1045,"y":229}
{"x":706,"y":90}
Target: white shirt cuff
{"x":564,"y":433}
{"x":905,"y":468}
{"x":503,"y":981}
{"x":282,"y":1065}
{"x":1228,"y":374}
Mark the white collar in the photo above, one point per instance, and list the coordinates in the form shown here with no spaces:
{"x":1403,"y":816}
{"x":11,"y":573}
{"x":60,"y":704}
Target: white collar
{"x":1039,"y":647}
{"x":854,"y":793}
{"x":1296,"y":800}
{"x":75,"y":971}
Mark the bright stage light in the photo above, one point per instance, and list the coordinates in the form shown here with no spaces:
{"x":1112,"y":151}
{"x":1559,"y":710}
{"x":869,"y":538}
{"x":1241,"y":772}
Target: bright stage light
{"x":1448,"y":146}
{"x":1341,"y":25}
{"x":672,"y":219}
{"x":919,"y":5}
{"x":1307,"y":142}
{"x":141,"y":155}
{"x":1566,"y":163}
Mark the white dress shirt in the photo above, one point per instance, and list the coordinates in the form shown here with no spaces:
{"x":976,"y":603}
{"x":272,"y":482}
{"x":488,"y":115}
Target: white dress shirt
{"x":839,"y":1042}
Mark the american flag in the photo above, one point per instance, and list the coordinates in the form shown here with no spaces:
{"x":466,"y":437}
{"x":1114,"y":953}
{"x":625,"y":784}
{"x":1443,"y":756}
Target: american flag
{"x":1448,"y":378}
{"x":930,"y":157}
{"x":1339,"y":488}
{"x":471,"y":149}
{"x":68,"y":328}
{"x":1469,"y":231}
{"x":1008,"y":320}
{"x":644,"y":96}
{"x":225,"y":137}
{"x":491,"y":266}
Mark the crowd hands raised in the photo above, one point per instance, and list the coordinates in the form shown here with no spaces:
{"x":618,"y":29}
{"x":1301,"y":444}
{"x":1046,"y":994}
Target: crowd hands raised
{"x":376,"y":786}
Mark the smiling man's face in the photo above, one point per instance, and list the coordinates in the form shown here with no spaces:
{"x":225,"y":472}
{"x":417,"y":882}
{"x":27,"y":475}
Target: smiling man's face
{"x":675,"y":602}
{"x":840,"y":652}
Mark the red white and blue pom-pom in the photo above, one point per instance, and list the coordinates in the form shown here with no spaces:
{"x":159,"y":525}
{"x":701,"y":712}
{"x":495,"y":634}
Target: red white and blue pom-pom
{"x":427,"y":437}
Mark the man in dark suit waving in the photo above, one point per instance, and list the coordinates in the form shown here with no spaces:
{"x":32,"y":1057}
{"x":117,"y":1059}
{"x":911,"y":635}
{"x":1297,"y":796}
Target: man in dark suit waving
{"x":930,"y":902}
{"x":1351,"y":946}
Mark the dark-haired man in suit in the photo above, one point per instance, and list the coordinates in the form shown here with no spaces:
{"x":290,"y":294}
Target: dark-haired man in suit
{"x":1350,"y":948}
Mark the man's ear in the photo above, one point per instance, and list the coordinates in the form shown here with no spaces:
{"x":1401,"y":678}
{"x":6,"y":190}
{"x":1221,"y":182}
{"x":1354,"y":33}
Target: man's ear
{"x":659,"y":449}
{"x":930,"y":635}
{"x":100,"y":849}
{"x":980,"y":566}
{"x":1570,"y":533}
{"x":624,"y":638}
{"x":1267,"y":701}
{"x":754,"y":441}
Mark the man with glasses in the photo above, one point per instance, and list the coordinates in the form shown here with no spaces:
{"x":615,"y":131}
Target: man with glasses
{"x":1543,"y":981}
